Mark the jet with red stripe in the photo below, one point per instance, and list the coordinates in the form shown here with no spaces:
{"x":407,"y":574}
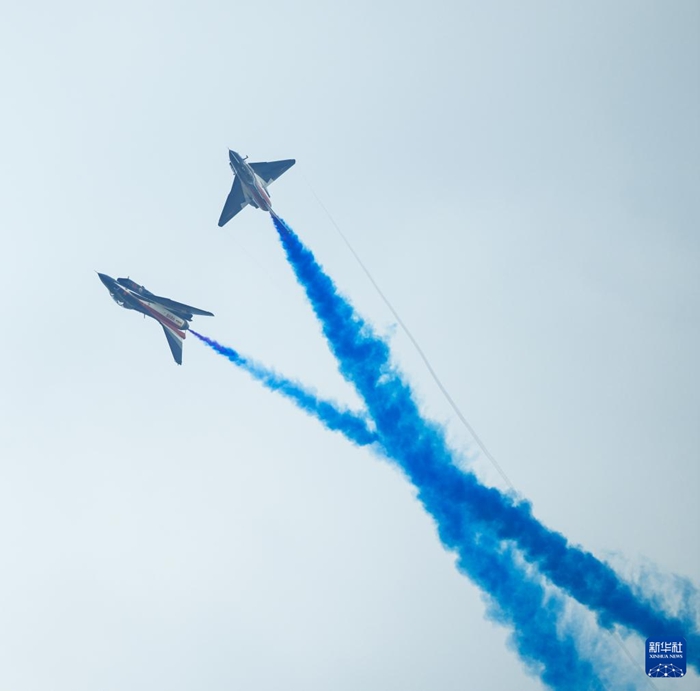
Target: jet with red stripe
{"x":250,"y":183}
{"x":173,"y":316}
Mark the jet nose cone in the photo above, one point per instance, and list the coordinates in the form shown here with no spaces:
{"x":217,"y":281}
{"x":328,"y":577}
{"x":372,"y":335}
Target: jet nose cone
{"x":107,"y":280}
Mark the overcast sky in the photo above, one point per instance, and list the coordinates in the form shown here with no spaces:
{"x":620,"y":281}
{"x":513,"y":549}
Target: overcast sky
{"x":522,"y":181}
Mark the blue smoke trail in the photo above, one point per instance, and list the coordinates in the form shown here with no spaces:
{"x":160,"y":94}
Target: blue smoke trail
{"x":353,"y":426}
{"x":422,"y":452}
{"x":513,"y":596}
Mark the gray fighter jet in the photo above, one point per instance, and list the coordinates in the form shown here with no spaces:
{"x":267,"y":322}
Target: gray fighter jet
{"x":250,"y":183}
{"x":173,"y":316}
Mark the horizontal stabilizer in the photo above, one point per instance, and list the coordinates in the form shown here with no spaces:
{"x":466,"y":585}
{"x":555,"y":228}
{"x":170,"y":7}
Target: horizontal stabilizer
{"x":180,"y":308}
{"x":269,"y":172}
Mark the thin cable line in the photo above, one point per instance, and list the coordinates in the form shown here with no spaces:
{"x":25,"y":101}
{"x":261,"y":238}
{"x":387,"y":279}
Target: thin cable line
{"x":618,"y":639}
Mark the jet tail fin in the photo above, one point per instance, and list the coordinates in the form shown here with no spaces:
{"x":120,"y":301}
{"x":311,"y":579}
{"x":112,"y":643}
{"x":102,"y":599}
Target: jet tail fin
{"x":175,"y":341}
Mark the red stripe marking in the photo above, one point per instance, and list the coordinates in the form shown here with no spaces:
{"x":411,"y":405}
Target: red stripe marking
{"x":163,"y":320}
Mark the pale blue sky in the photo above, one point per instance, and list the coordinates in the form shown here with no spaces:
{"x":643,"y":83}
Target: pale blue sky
{"x":522,"y":181}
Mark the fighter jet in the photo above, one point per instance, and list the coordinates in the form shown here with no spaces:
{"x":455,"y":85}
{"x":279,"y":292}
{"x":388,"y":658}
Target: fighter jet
{"x":173,"y":316}
{"x":250,"y":183}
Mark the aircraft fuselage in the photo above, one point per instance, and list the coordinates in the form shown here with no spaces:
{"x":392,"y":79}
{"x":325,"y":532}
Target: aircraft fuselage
{"x":254,"y":189}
